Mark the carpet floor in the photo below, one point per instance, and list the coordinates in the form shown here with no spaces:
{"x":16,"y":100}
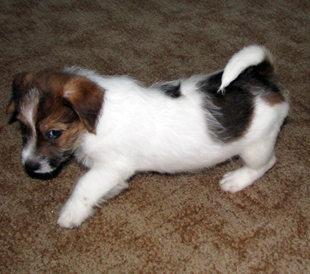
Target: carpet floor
{"x":179,"y":223}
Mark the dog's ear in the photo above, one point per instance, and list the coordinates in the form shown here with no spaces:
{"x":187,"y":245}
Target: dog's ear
{"x":19,"y":89}
{"x":86,"y":98}
{"x":11,"y":106}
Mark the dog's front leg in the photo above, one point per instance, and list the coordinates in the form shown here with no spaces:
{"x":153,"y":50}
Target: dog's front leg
{"x":89,"y":192}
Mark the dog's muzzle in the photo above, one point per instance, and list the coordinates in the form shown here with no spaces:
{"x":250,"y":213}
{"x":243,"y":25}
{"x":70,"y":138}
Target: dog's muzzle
{"x":37,"y":165}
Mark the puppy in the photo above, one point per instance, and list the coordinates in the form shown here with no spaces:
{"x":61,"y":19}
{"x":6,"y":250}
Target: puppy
{"x":117,"y":127}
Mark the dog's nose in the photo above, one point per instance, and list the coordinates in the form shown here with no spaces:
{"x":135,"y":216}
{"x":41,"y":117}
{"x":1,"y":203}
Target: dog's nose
{"x":32,"y":165}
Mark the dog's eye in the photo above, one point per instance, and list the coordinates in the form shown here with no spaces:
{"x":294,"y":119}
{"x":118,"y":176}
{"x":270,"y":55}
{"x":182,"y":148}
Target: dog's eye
{"x":53,"y":134}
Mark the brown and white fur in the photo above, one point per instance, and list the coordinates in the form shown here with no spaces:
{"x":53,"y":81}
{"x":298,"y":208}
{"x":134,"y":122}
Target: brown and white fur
{"x":117,"y":127}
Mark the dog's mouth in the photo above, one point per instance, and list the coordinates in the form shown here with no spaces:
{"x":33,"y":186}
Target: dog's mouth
{"x":43,"y":169}
{"x":43,"y":176}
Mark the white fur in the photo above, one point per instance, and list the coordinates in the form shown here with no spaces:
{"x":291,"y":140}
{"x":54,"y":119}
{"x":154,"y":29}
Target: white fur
{"x":28,"y":151}
{"x":142,"y":129}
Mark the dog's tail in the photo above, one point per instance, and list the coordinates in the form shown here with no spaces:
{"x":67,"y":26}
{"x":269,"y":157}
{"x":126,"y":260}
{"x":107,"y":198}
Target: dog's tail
{"x":248,"y":56}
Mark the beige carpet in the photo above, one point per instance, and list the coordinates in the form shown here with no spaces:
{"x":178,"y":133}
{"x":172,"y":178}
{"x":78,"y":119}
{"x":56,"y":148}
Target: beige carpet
{"x":162,"y":224}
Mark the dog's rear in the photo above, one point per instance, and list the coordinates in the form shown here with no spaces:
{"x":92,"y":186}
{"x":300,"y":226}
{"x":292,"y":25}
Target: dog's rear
{"x":234,"y":92}
{"x":250,"y":106}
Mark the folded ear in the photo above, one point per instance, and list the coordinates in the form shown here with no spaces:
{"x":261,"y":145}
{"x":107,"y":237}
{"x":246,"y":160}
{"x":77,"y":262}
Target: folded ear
{"x":86,"y":98}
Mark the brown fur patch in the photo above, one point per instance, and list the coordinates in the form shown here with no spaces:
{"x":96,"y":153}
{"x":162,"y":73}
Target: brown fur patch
{"x":62,"y":118}
{"x":274,"y":98}
{"x":86,"y":99}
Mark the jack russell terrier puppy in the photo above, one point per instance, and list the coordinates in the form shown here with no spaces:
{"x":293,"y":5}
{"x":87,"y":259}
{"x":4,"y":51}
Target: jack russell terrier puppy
{"x":118,"y":127}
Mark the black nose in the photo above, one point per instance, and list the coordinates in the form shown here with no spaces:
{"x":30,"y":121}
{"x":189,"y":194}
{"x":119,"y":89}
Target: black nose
{"x":32,"y":165}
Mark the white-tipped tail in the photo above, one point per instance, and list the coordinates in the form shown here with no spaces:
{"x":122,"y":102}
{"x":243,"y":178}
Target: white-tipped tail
{"x":248,"y":56}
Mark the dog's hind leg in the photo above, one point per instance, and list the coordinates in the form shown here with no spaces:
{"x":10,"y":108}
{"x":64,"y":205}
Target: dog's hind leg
{"x":258,"y":158}
{"x":94,"y":186}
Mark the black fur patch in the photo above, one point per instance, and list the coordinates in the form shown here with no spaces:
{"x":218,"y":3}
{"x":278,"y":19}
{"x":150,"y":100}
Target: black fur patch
{"x":172,"y":90}
{"x":235,"y":106}
{"x":262,"y":78}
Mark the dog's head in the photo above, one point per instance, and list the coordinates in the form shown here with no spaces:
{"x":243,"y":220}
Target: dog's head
{"x":54,"y":109}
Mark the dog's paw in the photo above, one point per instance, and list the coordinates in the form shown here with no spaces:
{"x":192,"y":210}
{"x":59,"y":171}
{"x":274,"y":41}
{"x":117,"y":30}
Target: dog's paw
{"x":237,"y":180}
{"x":73,"y":214}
